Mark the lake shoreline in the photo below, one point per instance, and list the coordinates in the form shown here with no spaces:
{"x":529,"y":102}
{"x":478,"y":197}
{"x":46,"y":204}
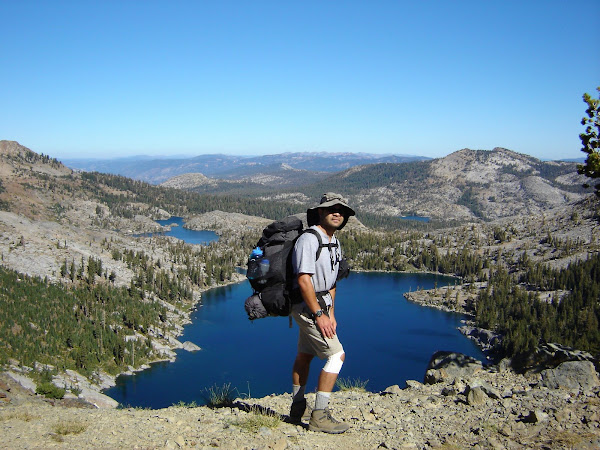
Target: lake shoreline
{"x":130,"y":392}
{"x":240,"y":278}
{"x":94,"y":391}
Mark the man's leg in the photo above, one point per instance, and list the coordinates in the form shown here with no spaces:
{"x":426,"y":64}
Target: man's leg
{"x":299,"y":379}
{"x":326,"y":384}
{"x":301,"y":369}
{"x":321,"y":419}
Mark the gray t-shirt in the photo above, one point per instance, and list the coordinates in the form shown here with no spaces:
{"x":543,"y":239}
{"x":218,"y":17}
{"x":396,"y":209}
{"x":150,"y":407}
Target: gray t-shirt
{"x":324,"y":271}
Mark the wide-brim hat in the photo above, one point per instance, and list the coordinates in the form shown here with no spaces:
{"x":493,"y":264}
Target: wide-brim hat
{"x":329,"y":199}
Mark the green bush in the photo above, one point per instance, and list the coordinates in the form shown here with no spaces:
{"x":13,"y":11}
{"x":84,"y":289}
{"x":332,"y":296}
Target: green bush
{"x":218,"y":396}
{"x":349,"y":384}
{"x":49,"y":390}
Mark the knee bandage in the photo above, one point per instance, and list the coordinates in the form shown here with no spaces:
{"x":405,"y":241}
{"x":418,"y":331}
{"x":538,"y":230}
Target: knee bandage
{"x":334,"y":363}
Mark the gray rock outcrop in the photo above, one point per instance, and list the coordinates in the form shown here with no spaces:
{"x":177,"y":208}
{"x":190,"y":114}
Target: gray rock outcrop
{"x":486,"y":340}
{"x":190,"y":347}
{"x":447,"y":366}
{"x":548,"y":356}
{"x":572,"y":375}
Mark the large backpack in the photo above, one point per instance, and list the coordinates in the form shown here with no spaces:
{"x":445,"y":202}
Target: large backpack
{"x":270,"y":270}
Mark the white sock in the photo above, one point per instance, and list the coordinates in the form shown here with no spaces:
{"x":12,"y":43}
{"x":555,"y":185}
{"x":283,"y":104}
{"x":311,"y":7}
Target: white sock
{"x":298,"y":392}
{"x":322,"y":400}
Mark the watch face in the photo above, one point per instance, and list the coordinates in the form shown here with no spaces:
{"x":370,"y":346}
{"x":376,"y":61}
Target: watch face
{"x":319,"y":313}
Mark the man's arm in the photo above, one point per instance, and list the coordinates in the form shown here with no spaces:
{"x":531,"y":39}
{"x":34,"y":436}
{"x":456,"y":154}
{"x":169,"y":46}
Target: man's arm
{"x":331,"y":309}
{"x":325,"y":325}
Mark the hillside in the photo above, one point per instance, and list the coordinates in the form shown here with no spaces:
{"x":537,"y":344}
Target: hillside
{"x":246,"y":182}
{"x":464,"y":186}
{"x":77,"y":238}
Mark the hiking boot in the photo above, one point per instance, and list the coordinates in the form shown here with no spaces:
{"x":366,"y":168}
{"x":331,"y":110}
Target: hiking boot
{"x":299,"y":411}
{"x":321,"y":420}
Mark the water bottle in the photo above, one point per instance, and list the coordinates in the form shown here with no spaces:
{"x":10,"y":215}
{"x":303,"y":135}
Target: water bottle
{"x":253,"y":264}
{"x":264,"y":267}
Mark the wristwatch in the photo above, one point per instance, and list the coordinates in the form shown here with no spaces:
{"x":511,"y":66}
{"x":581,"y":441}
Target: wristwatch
{"x":318,"y":313}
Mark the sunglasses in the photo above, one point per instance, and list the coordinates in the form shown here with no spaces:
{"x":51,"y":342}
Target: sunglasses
{"x":336,"y":209}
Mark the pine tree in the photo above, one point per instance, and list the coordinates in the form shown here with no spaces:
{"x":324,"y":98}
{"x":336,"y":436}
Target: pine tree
{"x":591,"y":140}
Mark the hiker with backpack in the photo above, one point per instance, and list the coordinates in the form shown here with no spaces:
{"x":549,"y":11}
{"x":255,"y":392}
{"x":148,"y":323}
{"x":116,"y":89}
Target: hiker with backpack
{"x":316,"y":263}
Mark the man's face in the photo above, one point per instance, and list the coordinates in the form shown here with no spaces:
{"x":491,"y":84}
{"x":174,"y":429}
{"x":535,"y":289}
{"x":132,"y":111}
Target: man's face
{"x":332,"y":217}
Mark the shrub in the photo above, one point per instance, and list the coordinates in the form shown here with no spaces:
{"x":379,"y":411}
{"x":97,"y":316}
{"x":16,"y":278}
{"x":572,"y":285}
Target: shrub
{"x":219,"y":396}
{"x":61,"y":429}
{"x":349,"y":384}
{"x":75,"y":390}
{"x":49,"y":390}
{"x":64,"y":428}
{"x":258,"y":418}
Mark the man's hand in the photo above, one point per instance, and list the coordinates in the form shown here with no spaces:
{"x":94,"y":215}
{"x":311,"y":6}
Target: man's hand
{"x":333,"y":321}
{"x":326,"y":326}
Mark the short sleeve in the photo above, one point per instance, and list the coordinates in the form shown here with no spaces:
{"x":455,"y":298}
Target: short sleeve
{"x":305,"y":252}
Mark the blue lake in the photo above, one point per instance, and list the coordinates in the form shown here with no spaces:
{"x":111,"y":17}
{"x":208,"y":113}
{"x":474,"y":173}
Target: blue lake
{"x":387,"y":340}
{"x":190,"y":236}
{"x":417,"y":218}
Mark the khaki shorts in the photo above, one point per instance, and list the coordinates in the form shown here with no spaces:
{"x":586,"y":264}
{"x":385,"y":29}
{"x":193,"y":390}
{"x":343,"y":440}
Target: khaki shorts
{"x":310,"y":339}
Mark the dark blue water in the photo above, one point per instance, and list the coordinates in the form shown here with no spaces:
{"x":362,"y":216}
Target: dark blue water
{"x":418,"y":218}
{"x":190,"y":236}
{"x":387,"y":341}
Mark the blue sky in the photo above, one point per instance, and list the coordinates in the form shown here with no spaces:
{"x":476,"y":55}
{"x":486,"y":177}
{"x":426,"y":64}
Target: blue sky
{"x":117,"y":78}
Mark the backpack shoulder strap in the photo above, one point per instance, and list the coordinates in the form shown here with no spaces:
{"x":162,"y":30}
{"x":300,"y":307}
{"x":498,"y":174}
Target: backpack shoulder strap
{"x":321,"y":245}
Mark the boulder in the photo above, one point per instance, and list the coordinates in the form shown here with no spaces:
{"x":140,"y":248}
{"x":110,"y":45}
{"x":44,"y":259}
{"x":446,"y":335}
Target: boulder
{"x":571,"y":375}
{"x":97,"y":399}
{"x":395,"y":389}
{"x":447,"y":366}
{"x":535,"y":416}
{"x":476,"y":396}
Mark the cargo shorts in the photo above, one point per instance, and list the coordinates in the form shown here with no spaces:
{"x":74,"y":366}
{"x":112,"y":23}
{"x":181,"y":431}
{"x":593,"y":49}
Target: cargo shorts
{"x":310,"y":339}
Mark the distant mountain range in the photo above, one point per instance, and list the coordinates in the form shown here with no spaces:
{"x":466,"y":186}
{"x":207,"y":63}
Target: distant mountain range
{"x":313,"y":166}
{"x":465,"y":185}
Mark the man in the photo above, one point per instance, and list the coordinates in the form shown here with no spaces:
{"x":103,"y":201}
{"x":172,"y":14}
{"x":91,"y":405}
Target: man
{"x":315,"y":315}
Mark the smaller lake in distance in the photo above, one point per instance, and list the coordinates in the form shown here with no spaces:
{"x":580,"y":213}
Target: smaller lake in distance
{"x":417,"y":218}
{"x":202,"y":237}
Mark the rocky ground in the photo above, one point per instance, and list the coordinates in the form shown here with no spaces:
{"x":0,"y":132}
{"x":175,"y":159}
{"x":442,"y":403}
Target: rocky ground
{"x":466,"y":406}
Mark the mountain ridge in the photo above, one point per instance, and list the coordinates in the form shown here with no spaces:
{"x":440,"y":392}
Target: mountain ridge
{"x":158,"y":170}
{"x":465,"y":185}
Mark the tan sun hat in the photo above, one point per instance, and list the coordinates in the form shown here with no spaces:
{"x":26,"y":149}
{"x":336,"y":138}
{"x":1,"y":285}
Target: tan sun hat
{"x":329,"y":199}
